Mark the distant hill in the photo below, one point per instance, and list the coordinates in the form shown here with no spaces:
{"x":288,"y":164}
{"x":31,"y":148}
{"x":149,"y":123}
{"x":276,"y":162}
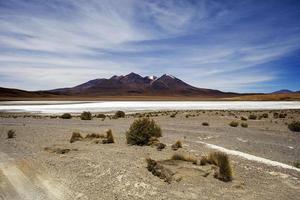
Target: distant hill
{"x":284,"y":91}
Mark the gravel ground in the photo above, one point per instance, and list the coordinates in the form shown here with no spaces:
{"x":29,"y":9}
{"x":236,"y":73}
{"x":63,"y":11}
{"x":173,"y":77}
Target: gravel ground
{"x":118,"y":171}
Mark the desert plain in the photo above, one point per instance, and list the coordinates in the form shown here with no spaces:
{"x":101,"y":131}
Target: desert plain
{"x":263,"y":156}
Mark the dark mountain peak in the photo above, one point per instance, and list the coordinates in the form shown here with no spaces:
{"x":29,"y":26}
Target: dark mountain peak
{"x":133,"y":75}
{"x":168,"y":76}
{"x":115,"y":77}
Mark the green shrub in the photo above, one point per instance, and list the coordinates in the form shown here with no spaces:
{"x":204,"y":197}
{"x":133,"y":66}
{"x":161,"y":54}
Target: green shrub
{"x":243,"y":118}
{"x":233,"y":124}
{"x":253,"y":117}
{"x":294,"y":126}
{"x":66,"y":116}
{"x":119,"y":114}
{"x":244,"y":125}
{"x":141,"y":130}
{"x":102,"y":116}
{"x":205,"y":124}
{"x":11,"y":134}
{"x":282,"y":115}
{"x":86,"y":116}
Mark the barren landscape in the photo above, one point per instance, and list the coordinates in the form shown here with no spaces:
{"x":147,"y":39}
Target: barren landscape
{"x":41,"y":163}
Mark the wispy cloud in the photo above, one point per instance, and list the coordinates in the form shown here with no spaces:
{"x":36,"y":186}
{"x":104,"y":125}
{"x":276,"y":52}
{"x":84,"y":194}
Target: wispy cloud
{"x":215,"y":44}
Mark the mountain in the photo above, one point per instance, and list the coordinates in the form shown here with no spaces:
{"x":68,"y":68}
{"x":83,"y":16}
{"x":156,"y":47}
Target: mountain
{"x":284,"y":91}
{"x":135,"y":85}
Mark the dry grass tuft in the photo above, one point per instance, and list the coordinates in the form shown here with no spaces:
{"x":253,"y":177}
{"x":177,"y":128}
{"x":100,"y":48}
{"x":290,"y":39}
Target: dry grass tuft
{"x":109,"y":137}
{"x":221,"y":160}
{"x":94,"y":135}
{"x":177,"y":145}
{"x":160,"y":146}
{"x":11,"y":134}
{"x":184,"y":157}
{"x":159,"y":170}
{"x":76,"y":137}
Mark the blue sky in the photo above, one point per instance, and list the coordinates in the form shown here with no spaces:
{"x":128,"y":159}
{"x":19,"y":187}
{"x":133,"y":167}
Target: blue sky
{"x":231,"y":45}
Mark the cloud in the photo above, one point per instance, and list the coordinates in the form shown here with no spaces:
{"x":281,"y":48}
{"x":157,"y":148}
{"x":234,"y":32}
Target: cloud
{"x":215,"y":44}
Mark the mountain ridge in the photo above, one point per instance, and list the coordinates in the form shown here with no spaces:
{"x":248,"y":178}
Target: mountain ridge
{"x":135,"y":84}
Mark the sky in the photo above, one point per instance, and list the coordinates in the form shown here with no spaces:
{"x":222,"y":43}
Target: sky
{"x":230,"y":45}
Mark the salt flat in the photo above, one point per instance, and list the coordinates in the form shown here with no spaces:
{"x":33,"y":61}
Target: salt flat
{"x":107,"y":106}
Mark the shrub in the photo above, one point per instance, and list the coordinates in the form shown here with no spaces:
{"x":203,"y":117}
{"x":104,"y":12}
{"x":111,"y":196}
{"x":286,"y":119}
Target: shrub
{"x":94,"y":135}
{"x":160,"y":146}
{"x":253,"y":117}
{"x":177,"y":145}
{"x":233,"y":124}
{"x":159,"y":170}
{"x":11,"y":134}
{"x":294,"y":126}
{"x":173,"y":115}
{"x":221,"y":159}
{"x":66,"y":116}
{"x":296,"y":164}
{"x":282,"y":115}
{"x":275,"y":115}
{"x":119,"y":114}
{"x":86,"y":116}
{"x":109,"y":137}
{"x":75,"y":137}
{"x":102,"y":116}
{"x":205,"y":124}
{"x":141,"y":130}
{"x":244,"y":125}
{"x":243,"y":118}
{"x":265,"y":115}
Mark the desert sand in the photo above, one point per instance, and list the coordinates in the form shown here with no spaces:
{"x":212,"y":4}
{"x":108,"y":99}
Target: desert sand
{"x":262,"y":170}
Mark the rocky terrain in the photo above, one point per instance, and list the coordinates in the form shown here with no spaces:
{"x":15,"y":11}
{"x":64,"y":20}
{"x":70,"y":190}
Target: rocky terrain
{"x":41,"y":163}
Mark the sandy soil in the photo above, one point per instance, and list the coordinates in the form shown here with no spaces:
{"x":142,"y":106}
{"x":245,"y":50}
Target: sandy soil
{"x":118,"y":171}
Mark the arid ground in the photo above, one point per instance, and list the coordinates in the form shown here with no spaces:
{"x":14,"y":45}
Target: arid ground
{"x":87,"y":170}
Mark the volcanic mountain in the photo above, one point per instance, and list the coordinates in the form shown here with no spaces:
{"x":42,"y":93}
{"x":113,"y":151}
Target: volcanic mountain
{"x":135,"y":85}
